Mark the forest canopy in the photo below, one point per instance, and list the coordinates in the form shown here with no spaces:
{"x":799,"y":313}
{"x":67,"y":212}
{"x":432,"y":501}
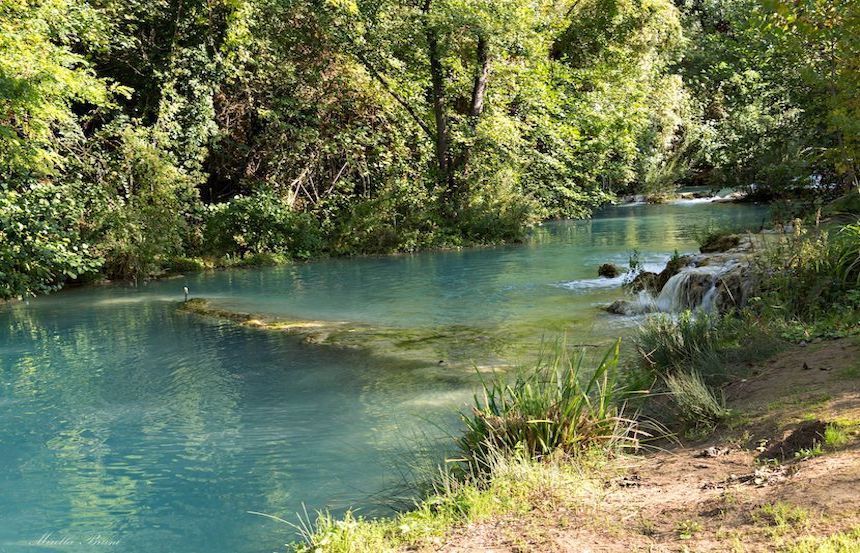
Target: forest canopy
{"x":138,"y":134}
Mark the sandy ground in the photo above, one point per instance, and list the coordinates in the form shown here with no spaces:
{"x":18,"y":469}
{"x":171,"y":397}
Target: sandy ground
{"x":719,"y":494}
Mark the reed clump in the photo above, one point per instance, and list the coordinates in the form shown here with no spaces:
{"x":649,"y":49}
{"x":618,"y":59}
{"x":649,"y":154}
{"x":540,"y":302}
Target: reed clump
{"x":561,"y":405}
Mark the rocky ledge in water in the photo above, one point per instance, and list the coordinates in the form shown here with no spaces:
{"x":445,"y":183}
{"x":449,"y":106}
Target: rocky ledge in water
{"x":719,"y":278}
{"x":438,"y":346}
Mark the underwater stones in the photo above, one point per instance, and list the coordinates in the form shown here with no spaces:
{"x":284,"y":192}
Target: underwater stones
{"x":623,"y":307}
{"x":608,"y":270}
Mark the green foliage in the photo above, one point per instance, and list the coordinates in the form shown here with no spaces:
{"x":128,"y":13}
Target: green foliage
{"x":373,"y":127}
{"x":810,"y":280}
{"x":137,"y":200}
{"x":39,"y":243}
{"x":774,"y":83}
{"x":261,"y":223}
{"x":41,"y":79}
{"x":557,"y":406}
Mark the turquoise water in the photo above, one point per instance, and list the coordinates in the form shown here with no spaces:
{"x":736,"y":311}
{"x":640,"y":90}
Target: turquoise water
{"x":128,"y":426}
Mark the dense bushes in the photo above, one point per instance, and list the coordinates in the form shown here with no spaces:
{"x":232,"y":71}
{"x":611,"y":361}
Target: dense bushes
{"x":811,"y":280}
{"x":261,"y":223}
{"x":40,"y":247}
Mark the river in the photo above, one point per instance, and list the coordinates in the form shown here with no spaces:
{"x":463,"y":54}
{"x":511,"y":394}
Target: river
{"x":128,"y":426}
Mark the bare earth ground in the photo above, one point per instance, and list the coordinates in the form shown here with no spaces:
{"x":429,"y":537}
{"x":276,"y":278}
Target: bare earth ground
{"x":694,"y":498}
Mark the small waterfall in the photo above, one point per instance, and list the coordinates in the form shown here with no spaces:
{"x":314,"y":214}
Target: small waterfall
{"x":691,"y":288}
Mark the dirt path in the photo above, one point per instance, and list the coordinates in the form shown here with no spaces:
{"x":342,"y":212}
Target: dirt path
{"x":722,"y":494}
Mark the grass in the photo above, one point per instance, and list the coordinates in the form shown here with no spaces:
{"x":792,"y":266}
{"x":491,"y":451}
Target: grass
{"x":517,"y":485}
{"x":707,"y":343}
{"x":687,"y":529}
{"x":696,"y":403}
{"x":810,"y":279}
{"x":835,"y":436}
{"x":684,"y":360}
{"x":781,"y":515}
{"x":841,"y":542}
{"x":537,"y":441}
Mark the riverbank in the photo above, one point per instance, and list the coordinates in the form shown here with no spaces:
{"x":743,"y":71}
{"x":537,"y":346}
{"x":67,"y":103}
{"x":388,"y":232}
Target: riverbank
{"x":781,"y":475}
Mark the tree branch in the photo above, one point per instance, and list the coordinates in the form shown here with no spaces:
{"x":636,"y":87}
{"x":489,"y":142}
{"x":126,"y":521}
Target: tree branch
{"x":400,"y":100}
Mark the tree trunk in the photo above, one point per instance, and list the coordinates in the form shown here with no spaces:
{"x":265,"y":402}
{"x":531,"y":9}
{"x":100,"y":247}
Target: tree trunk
{"x":437,"y":92}
{"x":481,"y":77}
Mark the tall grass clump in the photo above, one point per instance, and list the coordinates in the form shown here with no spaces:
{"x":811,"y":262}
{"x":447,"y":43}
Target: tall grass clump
{"x":696,"y":403}
{"x":559,"y":406}
{"x":685,"y":359}
{"x":690,"y":341}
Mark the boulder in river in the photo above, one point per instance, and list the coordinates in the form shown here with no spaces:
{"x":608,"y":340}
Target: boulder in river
{"x":645,"y":281}
{"x":627,"y":307}
{"x":720,"y":243}
{"x":673,"y":267}
{"x":609,"y":270}
{"x":734,"y":287}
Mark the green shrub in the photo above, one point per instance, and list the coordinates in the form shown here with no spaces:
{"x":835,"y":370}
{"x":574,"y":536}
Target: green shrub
{"x":181,"y":264}
{"x":137,"y":201}
{"x":557,"y":406}
{"x":40,"y":243}
{"x":261,"y":223}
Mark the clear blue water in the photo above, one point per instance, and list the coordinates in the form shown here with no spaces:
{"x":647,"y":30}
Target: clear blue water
{"x":127,"y":426}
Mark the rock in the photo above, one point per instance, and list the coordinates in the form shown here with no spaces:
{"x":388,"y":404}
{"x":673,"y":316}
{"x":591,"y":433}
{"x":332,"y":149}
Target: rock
{"x":619,"y":307}
{"x":644,"y":282}
{"x":713,"y":452}
{"x":627,"y":307}
{"x":804,"y":437}
{"x":720,"y":243}
{"x":673,"y":267}
{"x":734,"y":288}
{"x":608,"y":270}
{"x":731,"y":198}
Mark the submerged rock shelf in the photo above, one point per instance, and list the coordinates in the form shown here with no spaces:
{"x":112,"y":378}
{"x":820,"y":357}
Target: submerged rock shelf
{"x":452,"y":345}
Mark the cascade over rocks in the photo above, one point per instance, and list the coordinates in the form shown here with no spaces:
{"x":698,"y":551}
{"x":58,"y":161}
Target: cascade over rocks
{"x":720,"y":281}
{"x":653,"y":283}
